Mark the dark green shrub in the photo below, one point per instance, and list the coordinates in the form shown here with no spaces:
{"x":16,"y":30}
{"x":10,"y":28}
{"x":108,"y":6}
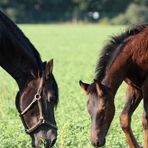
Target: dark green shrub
{"x":134,"y":14}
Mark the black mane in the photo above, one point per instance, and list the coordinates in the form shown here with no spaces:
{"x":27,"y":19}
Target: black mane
{"x":111,"y":47}
{"x":19,"y":38}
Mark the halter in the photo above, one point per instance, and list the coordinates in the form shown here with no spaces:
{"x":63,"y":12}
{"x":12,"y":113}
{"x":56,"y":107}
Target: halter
{"x":42,"y":121}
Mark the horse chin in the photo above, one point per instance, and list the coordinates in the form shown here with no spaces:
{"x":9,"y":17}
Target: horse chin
{"x":51,"y":137}
{"x":46,"y":138}
{"x":49,"y":145}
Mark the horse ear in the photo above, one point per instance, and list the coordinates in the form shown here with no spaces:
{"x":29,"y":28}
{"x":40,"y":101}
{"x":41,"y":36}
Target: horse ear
{"x":84,"y":86}
{"x":49,"y":68}
{"x":99,"y":89}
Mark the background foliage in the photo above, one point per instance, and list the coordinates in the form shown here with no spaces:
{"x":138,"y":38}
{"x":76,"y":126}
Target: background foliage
{"x":75,"y":49}
{"x":111,"y":11}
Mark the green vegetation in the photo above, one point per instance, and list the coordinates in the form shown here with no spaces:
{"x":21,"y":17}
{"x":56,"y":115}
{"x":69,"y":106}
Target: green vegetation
{"x":75,"y":49}
{"x":111,"y":11}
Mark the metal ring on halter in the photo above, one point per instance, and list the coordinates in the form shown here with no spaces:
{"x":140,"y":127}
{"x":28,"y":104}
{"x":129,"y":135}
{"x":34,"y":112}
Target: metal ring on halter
{"x":37,"y":96}
{"x":42,"y":120}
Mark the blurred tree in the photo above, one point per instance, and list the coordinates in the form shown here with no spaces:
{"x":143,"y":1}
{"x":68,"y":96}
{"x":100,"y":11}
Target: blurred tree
{"x":108,"y":7}
{"x":79,"y":7}
{"x":141,"y":2}
{"x":68,"y":10}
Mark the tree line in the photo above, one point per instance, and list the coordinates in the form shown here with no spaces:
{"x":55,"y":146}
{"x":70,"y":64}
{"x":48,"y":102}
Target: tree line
{"x":110,"y":11}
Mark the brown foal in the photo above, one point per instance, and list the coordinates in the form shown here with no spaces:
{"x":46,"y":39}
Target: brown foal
{"x":124,"y":58}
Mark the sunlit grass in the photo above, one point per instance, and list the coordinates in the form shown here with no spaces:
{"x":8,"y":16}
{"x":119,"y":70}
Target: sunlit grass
{"x":75,"y":49}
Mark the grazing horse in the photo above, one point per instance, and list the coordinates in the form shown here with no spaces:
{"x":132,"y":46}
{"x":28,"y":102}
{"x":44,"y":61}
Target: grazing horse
{"x":38,"y":90}
{"x":124,"y":58}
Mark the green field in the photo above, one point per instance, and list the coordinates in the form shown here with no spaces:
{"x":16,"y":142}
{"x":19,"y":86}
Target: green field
{"x":75,"y":49}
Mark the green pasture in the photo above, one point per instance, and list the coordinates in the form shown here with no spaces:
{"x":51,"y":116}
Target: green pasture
{"x":75,"y":50}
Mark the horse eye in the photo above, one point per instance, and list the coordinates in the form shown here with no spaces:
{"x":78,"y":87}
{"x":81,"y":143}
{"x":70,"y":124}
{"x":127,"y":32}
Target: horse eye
{"x":52,"y":99}
{"x":100,"y":116}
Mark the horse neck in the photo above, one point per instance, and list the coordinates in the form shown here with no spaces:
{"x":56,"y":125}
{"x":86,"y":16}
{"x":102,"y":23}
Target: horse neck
{"x":17,"y":55}
{"x":113,"y":81}
{"x":116,"y":72}
{"x":21,"y":74}
{"x":19,"y":66}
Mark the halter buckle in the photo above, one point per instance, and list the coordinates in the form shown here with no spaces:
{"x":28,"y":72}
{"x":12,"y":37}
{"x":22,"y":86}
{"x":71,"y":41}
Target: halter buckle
{"x":37,"y":96}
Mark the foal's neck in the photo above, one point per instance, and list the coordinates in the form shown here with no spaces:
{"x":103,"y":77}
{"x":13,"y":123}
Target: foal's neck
{"x":113,"y":81}
{"x":116,"y":72}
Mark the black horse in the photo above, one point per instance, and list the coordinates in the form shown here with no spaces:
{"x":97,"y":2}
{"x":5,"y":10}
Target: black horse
{"x":38,"y":90}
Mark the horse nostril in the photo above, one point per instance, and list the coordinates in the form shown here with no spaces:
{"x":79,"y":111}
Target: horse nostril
{"x":50,"y":143}
{"x":53,"y":142}
{"x":98,"y":144}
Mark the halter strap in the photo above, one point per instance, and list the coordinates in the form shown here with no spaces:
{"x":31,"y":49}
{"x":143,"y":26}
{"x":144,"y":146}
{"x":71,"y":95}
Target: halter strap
{"x":37,"y":98}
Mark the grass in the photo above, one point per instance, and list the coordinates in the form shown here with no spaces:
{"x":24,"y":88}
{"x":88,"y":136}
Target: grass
{"x":75,"y":49}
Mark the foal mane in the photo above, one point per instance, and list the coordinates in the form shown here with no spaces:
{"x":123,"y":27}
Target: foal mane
{"x":17,"y":36}
{"x":111,"y":46}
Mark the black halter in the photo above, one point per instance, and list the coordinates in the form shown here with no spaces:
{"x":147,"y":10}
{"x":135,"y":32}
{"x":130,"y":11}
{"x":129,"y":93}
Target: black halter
{"x":42,"y":121}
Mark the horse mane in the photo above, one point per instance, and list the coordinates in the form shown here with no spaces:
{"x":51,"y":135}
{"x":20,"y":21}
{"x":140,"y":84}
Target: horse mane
{"x":112,"y":45}
{"x":18,"y":37}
